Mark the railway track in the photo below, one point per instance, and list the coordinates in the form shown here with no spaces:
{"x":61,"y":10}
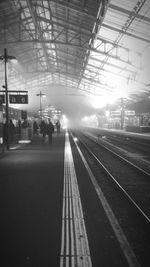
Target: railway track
{"x":126,"y":188}
{"x":129,"y":142}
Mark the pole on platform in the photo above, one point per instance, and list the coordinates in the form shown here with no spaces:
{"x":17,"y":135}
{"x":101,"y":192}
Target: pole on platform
{"x":40,"y":95}
{"x":122,"y":113}
{"x":7,"y":105}
{"x":5,"y":57}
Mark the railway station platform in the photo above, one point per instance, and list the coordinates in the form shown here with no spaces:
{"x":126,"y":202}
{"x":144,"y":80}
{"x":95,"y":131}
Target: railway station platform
{"x":41,"y":215}
{"x":43,"y":218}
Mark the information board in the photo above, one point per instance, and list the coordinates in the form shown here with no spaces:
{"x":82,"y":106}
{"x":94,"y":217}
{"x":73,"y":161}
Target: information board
{"x":18,"y":99}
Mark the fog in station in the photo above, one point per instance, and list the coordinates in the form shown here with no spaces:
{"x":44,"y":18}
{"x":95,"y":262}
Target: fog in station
{"x":90,"y":72}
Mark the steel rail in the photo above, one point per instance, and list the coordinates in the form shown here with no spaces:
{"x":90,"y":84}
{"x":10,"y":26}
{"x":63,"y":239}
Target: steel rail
{"x":113,"y":178}
{"x":119,"y":156}
{"x":124,"y":244}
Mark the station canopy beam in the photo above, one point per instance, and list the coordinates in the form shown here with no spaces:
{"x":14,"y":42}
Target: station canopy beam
{"x":74,"y":43}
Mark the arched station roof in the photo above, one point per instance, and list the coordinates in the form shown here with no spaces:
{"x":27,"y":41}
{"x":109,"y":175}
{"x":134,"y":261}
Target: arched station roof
{"x":77,"y":48}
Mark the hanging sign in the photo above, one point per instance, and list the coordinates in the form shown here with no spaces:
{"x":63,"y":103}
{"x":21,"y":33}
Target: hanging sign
{"x":115,"y":113}
{"x":18,"y":99}
{"x":129,"y":112}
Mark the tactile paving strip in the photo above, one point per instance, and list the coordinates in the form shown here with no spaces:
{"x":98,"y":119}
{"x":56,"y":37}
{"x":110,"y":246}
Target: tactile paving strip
{"x":74,"y":244}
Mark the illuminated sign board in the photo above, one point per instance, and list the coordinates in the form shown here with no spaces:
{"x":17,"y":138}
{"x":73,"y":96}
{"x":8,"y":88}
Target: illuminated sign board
{"x":117,"y":113}
{"x":129,"y":112}
{"x":18,"y":99}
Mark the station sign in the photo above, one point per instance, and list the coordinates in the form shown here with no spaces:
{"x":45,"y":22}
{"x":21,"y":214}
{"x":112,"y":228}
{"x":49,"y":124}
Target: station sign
{"x":129,"y":112}
{"x":18,"y":99}
{"x":115,"y":113}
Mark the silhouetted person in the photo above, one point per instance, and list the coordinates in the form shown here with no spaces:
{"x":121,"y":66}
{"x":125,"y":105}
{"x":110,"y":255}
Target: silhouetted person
{"x":58,"y":126}
{"x":35,"y":128}
{"x":50,"y":130}
{"x":19,"y":128}
{"x":5,"y":137}
{"x":8,"y":136}
{"x":11,"y":130}
{"x":43,"y":129}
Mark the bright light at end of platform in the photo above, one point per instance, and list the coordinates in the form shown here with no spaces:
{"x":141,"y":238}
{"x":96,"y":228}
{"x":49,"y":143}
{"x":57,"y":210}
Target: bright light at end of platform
{"x":75,"y":139}
{"x":90,"y":120}
{"x":118,"y":93}
{"x":97,"y":102}
{"x":107,"y":113}
{"x":102,"y":101}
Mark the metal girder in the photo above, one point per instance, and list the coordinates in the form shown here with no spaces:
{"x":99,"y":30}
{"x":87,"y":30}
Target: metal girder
{"x":64,"y":24}
{"x":34,"y":40}
{"x":65,"y":44}
{"x":131,"y":18}
{"x":118,"y":74}
{"x":62,"y":61}
{"x":19,"y":41}
{"x":99,"y":19}
{"x":95,"y":81}
{"x":71,"y":45}
{"x":123,"y":30}
{"x":37,"y":28}
{"x":90,"y":88}
{"x":53,"y":36}
{"x":128,"y":12}
{"x":109,"y":64}
{"x":77,"y":29}
{"x":111,"y":56}
{"x":72,"y":41}
{"x":126,"y":33}
{"x":67,"y":5}
{"x":72,"y":76}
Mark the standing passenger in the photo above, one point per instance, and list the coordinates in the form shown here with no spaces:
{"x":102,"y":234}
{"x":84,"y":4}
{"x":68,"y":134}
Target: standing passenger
{"x":58,"y":126}
{"x":11,"y":131}
{"x":50,"y":130}
{"x":35,"y":128}
{"x":43,"y":129}
{"x":19,"y":128}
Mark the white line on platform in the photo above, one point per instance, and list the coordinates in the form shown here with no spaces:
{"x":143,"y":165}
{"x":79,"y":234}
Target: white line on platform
{"x":74,"y":244}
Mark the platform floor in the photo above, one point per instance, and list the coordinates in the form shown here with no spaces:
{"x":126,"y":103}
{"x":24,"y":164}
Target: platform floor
{"x":31,"y":198}
{"x":41,"y":213}
{"x":42,"y":219}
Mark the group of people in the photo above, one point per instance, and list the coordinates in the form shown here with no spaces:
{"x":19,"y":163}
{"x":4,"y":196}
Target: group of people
{"x":46,"y":129}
